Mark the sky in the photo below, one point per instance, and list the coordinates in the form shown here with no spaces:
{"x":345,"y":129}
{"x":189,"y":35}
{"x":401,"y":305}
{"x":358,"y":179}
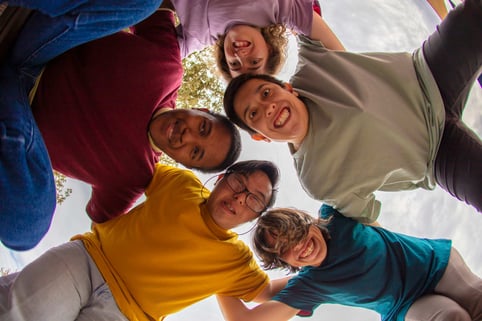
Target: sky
{"x":369,"y":25}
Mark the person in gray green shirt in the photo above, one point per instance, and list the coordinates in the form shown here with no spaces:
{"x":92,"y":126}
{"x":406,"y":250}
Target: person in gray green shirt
{"x":358,"y":123}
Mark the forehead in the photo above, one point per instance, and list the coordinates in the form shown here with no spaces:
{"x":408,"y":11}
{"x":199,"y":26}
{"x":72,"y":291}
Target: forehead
{"x":187,"y":113}
{"x":258,"y":183}
{"x":246,"y":94}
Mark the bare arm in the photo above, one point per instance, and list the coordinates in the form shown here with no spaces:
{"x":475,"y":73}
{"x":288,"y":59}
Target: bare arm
{"x":272,"y":289}
{"x":322,"y":32}
{"x":235,"y":310}
{"x":376,"y":224}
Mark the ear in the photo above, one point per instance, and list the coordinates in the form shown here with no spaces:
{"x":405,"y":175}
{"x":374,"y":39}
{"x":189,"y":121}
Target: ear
{"x":220,"y":177}
{"x":206,"y":110}
{"x":258,"y":137}
{"x":289,"y":88}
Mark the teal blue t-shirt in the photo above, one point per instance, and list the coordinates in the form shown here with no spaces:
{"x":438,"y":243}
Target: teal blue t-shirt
{"x":369,"y":267}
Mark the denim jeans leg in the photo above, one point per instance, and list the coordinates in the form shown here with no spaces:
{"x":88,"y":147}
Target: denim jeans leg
{"x":61,"y":25}
{"x":27,"y":186}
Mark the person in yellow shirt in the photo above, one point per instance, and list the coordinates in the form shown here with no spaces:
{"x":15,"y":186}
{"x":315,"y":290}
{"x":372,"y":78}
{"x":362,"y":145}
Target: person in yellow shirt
{"x":174,"y":249}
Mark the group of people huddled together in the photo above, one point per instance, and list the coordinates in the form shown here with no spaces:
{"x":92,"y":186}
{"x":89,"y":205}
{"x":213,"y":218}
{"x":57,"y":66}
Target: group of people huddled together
{"x":82,"y":95}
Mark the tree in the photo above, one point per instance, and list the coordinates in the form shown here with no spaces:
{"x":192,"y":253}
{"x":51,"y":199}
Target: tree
{"x":62,"y":191}
{"x":201,"y":87}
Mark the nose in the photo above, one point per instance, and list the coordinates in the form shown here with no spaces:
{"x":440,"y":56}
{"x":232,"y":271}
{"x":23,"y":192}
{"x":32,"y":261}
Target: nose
{"x":241,"y":52}
{"x":189,"y":136}
{"x":240,"y":197}
{"x":270,"y":108}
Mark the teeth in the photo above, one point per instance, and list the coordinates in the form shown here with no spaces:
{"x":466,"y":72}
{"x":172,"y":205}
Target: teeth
{"x":282,"y":118}
{"x":241,"y":44}
{"x":308,"y":250}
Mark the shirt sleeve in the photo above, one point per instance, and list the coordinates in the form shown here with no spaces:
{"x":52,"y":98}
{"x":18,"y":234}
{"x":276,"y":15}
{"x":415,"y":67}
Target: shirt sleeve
{"x":247,"y":281}
{"x":110,"y":202}
{"x":158,"y":28}
{"x":300,"y":18}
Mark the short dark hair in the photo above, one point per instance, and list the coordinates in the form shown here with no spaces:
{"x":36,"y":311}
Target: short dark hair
{"x":232,"y":90}
{"x":250,"y":166}
{"x":288,"y":227}
{"x":277,"y":40}
{"x":234,"y":149}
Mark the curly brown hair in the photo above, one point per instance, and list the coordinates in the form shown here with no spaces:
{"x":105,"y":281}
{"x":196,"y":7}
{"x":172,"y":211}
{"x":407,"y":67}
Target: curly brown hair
{"x":287,"y":227}
{"x":276,"y":38}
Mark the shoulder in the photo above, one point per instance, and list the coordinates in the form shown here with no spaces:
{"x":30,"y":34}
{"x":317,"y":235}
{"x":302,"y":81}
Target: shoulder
{"x":172,"y":177}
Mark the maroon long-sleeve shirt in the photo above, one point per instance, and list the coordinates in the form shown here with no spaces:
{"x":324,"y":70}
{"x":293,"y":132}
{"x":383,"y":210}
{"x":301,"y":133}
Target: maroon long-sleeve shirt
{"x":93,"y":107}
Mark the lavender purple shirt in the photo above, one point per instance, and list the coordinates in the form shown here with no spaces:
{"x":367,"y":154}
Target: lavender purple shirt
{"x":202,"y":21}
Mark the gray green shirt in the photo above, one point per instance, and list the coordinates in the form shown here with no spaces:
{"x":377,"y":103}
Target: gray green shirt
{"x":376,"y":121}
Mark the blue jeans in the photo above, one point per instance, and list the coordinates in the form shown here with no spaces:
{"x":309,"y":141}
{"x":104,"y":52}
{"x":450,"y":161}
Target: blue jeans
{"x":27,"y":187}
{"x":58,"y":26}
{"x":454,"y":55}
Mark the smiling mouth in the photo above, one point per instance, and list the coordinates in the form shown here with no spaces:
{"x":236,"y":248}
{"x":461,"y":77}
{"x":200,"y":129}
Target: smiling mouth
{"x":229,"y":207}
{"x":308,"y":250}
{"x":174,"y":133}
{"x":241,"y":44}
{"x":282,"y":118}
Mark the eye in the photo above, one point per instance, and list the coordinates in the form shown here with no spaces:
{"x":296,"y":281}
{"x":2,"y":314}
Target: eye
{"x":255,"y":62}
{"x":195,"y":153}
{"x":252,"y":113}
{"x":265,"y":92}
{"x":236,"y":184}
{"x":202,"y":128}
{"x":233,"y":63}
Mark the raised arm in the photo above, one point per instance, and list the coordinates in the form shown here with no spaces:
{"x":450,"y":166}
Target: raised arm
{"x":234,"y":309}
{"x":322,"y":32}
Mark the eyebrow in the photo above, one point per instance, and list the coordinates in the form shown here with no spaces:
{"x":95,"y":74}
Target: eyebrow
{"x":246,"y":109}
{"x":255,"y":68}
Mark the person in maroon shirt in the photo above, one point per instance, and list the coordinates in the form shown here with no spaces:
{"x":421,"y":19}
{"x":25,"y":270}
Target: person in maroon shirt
{"x":105,"y":112}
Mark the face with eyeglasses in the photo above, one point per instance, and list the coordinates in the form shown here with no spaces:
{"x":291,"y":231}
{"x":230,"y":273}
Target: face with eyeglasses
{"x":239,"y":198}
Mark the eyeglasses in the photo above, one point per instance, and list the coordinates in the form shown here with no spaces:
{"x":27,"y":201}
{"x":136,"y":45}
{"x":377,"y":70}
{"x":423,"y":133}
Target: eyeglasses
{"x":237,"y":185}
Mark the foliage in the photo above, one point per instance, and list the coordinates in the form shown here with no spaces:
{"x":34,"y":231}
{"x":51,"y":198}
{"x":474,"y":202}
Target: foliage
{"x":62,"y":191}
{"x":4,"y":271}
{"x":202,"y":87}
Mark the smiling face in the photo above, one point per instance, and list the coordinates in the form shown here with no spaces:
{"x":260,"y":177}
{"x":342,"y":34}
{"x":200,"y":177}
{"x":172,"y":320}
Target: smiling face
{"x":246,"y":50}
{"x":191,"y":137}
{"x":228,"y":208}
{"x":272,"y":111}
{"x":310,"y":251}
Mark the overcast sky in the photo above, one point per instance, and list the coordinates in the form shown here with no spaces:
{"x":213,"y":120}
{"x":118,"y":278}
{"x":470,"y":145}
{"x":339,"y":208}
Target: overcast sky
{"x":367,"y":25}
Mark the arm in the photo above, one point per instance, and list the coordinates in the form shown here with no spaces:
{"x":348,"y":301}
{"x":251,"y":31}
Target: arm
{"x":157,"y":28}
{"x":272,"y":289}
{"x":375,"y":224}
{"x":235,"y":310}
{"x":322,"y":32}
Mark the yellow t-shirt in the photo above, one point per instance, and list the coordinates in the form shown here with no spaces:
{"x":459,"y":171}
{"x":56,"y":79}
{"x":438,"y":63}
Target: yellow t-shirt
{"x":168,"y":253}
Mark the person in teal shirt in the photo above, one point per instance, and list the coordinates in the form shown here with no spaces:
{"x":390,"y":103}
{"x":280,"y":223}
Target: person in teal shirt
{"x":345,"y":262}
